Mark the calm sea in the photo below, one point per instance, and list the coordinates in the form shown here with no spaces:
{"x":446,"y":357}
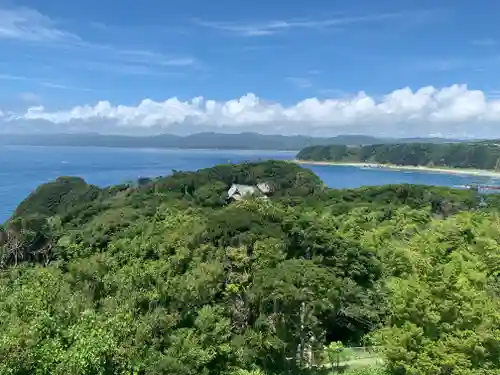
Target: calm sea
{"x":22,"y":168}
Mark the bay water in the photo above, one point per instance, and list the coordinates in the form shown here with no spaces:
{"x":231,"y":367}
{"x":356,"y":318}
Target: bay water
{"x":23,"y":168}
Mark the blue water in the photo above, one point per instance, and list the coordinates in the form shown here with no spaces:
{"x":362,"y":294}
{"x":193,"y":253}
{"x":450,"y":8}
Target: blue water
{"x":22,"y":168}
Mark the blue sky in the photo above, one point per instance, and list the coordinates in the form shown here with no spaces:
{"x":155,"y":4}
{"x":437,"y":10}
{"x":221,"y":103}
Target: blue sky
{"x":319,"y":67}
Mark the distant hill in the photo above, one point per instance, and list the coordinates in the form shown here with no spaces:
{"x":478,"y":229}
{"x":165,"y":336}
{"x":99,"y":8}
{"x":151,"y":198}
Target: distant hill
{"x":242,"y":141}
{"x":478,"y":155}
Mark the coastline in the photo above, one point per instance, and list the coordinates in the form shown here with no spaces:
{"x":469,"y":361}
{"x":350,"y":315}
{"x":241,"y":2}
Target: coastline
{"x":443,"y":170}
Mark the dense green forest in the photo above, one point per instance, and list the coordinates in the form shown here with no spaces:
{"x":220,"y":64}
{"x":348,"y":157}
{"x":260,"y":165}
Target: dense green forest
{"x":479,"y":155}
{"x":170,"y":276}
{"x":243,"y":141}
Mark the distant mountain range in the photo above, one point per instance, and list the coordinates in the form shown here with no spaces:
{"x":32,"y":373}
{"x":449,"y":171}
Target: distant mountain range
{"x":242,"y":141}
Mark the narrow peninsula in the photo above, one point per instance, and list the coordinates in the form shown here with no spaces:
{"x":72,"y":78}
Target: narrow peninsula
{"x":460,"y":158}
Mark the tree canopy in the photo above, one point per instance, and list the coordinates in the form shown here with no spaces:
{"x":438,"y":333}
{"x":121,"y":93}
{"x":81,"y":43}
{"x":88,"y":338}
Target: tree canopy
{"x":166,"y":276}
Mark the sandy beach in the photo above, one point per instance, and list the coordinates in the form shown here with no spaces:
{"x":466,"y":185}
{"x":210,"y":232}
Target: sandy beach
{"x":469,"y":172}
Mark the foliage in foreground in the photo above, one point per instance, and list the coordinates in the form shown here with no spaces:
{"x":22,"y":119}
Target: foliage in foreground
{"x":166,"y":277}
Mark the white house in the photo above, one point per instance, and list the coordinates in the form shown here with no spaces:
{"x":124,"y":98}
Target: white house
{"x":238,"y":192}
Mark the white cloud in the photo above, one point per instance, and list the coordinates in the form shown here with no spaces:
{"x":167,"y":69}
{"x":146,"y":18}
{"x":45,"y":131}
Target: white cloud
{"x":276,"y":26}
{"x":132,"y":61}
{"x":427,"y":110}
{"x":271,"y":27}
{"x":30,"y":25}
{"x":142,"y":56}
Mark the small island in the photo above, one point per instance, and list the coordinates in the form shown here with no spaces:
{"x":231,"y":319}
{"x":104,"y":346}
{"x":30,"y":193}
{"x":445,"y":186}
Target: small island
{"x":462,"y":158}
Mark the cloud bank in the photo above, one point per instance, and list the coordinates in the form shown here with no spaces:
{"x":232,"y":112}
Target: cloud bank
{"x":449,"y":111}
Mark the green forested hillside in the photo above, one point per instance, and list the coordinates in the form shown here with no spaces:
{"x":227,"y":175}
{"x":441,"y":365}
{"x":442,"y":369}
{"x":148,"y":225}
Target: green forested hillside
{"x":455,"y":155}
{"x":167,"y":277}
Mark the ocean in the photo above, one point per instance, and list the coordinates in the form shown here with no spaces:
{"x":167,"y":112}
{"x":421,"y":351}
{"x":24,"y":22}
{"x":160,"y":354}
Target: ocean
{"x":23,"y":168}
